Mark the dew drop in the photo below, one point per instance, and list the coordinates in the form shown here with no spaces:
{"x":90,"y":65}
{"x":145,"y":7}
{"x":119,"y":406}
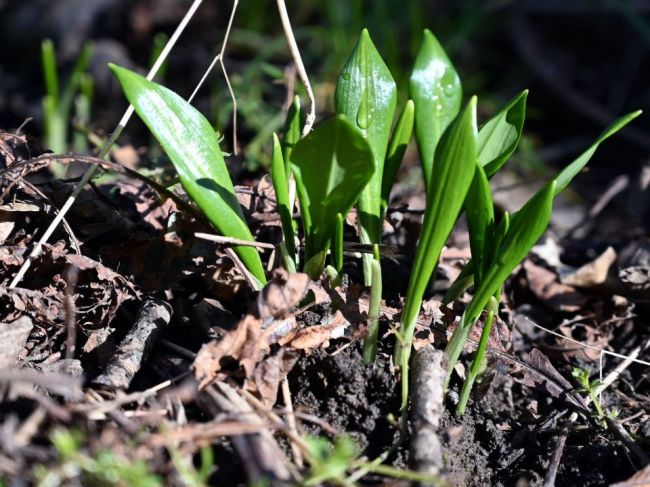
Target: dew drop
{"x":364,"y":117}
{"x":449,"y":89}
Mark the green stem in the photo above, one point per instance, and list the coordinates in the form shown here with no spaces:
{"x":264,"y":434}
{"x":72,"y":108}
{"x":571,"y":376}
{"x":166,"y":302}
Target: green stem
{"x":478,"y":365}
{"x":374,"y":309}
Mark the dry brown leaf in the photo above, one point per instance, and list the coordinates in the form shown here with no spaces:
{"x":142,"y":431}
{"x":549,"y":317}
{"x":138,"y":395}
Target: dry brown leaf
{"x":593,"y":273}
{"x":248,"y":344}
{"x":546,"y":286}
{"x":270,"y":373}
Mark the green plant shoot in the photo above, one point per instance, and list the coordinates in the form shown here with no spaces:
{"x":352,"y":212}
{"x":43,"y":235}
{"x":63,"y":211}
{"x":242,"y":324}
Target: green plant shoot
{"x":190,"y":142}
{"x":58,"y":104}
{"x":331,"y":165}
{"x":367,"y":95}
{"x":281,"y":187}
{"x":396,"y":149}
{"x":466,"y":277}
{"x":454,"y":167}
{"x":436,"y":90}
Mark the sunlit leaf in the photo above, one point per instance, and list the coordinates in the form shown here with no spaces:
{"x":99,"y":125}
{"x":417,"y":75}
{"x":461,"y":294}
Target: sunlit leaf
{"x":479,"y":209}
{"x":189,"y":141}
{"x":331,"y":165}
{"x":367,"y":95}
{"x":454,"y":166}
{"x":396,"y":149}
{"x":500,"y":135}
{"x":436,"y":90}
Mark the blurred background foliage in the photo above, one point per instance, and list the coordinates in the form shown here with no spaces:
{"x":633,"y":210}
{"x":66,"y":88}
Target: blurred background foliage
{"x":585,"y":61}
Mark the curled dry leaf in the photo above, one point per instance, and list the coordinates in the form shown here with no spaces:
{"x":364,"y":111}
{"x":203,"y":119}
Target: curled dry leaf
{"x":540,"y":373}
{"x":13,"y":337}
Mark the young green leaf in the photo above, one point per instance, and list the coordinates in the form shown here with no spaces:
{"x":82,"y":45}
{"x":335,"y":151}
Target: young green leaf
{"x":526,"y":227}
{"x":281,"y":187}
{"x":367,"y":95}
{"x":331,"y":165}
{"x":480,"y":219}
{"x":454,"y":165}
{"x":396,"y":149}
{"x":189,"y":141}
{"x":436,"y":90}
{"x":569,"y":172}
{"x":292,"y":132}
{"x":500,"y":135}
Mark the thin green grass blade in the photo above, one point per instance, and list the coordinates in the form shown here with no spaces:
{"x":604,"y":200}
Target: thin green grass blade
{"x":366,"y":93}
{"x":436,"y":90}
{"x":332,"y":165}
{"x":48,"y":60}
{"x":454,"y":166}
{"x":281,"y":187}
{"x":500,"y":135}
{"x":190,"y":142}
{"x":569,"y":172}
{"x":396,"y":149}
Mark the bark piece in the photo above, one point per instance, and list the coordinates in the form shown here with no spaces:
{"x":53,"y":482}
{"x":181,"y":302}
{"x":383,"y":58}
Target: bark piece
{"x":429,"y":372}
{"x":154,"y":315}
{"x":13,"y":337}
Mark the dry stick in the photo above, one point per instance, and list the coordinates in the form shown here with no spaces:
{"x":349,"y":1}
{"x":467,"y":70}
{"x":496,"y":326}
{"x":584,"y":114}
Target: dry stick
{"x":291,"y":422}
{"x":225,"y":75}
{"x":297,"y":59}
{"x":105,"y":149}
{"x":428,"y":379}
{"x":233,"y":241}
{"x":127,"y":360}
{"x":252,"y":280}
{"x":71,"y":276}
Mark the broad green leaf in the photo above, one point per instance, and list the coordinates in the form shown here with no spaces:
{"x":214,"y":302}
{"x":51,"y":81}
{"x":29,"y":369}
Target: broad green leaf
{"x":480,"y":218}
{"x":281,"y":187}
{"x":190,"y":142}
{"x":500,"y":135}
{"x":436,"y":90}
{"x":396,"y":149}
{"x":292,"y":132}
{"x":569,"y":172}
{"x":367,"y":95}
{"x":455,"y":165}
{"x":331,"y":165}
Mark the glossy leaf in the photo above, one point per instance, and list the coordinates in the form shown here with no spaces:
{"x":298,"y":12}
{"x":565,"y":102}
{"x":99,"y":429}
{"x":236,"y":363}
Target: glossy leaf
{"x":500,"y":135}
{"x":189,"y":141}
{"x":569,"y":172}
{"x":331,"y":165}
{"x":281,"y":187}
{"x":436,"y":90}
{"x":480,"y":219}
{"x":396,"y":148}
{"x":454,"y":166}
{"x":367,"y":95}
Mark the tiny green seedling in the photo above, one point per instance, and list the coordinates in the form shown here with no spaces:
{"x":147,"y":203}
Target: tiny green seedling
{"x":190,"y":142}
{"x":590,"y":387}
